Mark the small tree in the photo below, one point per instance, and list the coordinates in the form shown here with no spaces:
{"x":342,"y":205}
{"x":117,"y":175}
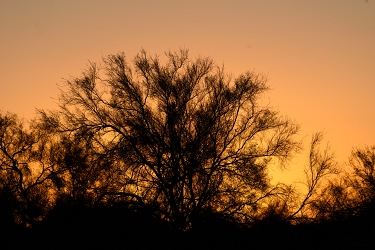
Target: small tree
{"x":185,"y":138}
{"x":27,"y":170}
{"x":362,"y":162}
{"x":350,"y":193}
{"x":321,"y":166}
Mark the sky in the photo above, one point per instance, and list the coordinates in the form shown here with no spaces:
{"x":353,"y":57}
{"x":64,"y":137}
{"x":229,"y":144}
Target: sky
{"x":318,"y":55}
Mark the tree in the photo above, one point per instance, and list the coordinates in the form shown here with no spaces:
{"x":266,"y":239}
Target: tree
{"x":183,"y":136}
{"x":362,"y":162}
{"x":321,"y":166}
{"x":27,"y":170}
{"x":351,"y":193}
{"x":310,"y":203}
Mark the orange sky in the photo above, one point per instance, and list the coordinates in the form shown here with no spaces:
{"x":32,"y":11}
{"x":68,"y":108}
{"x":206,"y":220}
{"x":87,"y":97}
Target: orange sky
{"x":319,"y":55}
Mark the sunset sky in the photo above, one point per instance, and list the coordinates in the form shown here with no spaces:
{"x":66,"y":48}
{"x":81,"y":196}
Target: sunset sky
{"x":318,"y":55}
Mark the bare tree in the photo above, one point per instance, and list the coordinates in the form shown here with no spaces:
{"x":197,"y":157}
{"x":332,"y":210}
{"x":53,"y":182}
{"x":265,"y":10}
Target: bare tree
{"x":318,"y":175}
{"x":362,"y":162}
{"x":184,"y":137}
{"x":27,"y":171}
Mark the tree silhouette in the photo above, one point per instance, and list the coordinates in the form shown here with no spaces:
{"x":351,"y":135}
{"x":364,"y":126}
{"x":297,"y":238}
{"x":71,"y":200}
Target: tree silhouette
{"x":293,"y":206}
{"x":351,"y":193}
{"x":173,"y":150}
{"x":362,"y":162}
{"x":85,"y":174}
{"x":27,"y":171}
{"x":321,"y":167}
{"x":183,"y":137}
{"x":345,"y":204}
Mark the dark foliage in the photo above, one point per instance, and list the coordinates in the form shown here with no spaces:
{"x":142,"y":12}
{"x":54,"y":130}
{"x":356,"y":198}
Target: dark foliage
{"x":173,"y":156}
{"x":181,"y":137}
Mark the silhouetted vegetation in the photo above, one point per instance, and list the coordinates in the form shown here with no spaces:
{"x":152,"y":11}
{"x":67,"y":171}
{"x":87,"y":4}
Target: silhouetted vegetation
{"x":173,"y":155}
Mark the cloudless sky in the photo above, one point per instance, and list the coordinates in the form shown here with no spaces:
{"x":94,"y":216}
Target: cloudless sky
{"x":318,"y":55}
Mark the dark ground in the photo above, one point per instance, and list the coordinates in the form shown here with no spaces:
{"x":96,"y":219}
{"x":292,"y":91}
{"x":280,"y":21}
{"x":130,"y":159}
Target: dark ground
{"x":81,"y":228}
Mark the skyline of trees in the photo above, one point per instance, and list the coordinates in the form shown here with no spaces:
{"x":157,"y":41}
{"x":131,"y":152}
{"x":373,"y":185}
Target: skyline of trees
{"x":176,"y":140}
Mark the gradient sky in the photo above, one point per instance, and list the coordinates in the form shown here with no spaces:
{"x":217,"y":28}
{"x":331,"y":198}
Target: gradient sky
{"x":319,"y":55}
